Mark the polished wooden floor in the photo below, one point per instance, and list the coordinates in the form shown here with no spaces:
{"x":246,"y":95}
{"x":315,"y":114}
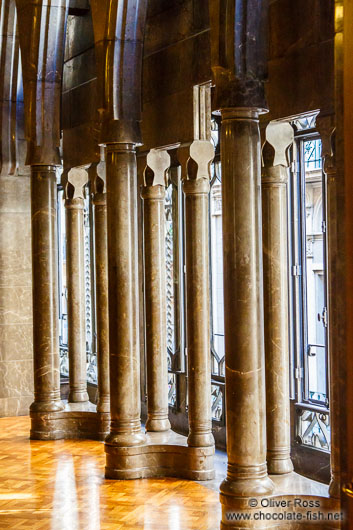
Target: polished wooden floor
{"x":60,"y":486}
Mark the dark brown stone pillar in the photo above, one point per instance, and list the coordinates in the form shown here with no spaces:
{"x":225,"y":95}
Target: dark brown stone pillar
{"x":125,"y":429}
{"x":275,"y":265}
{"x":45,"y":291}
{"x":153,"y":195}
{"x":196,"y":187}
{"x":243,"y":305}
{"x":74,"y":204}
{"x":101,"y":285}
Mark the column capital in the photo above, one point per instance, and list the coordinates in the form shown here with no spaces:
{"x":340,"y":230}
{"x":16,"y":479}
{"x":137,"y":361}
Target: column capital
{"x":73,"y":181}
{"x":157,"y":165}
{"x":195,"y":160}
{"x":118,"y":27}
{"x":327,"y":128}
{"x":238,"y":52}
{"x":98,"y":182}
{"x":279,"y":137}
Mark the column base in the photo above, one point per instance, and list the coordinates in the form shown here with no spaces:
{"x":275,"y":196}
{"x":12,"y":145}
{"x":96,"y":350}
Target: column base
{"x":47,"y":406}
{"x":247,"y":487}
{"x":334,"y":489}
{"x":78,"y":396}
{"x":103,"y":405}
{"x":278,"y":511}
{"x":157,"y":424}
{"x":279,"y":464}
{"x":201,"y":440}
{"x":125,"y":439}
{"x":162,"y":455}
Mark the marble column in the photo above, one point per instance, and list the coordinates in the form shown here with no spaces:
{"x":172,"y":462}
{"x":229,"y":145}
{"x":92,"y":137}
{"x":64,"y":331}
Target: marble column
{"x":125,"y":405}
{"x":153,"y":195}
{"x":98,"y":182}
{"x":325,"y":126}
{"x":196,"y":187}
{"x":41,"y":32}
{"x":243,"y":305}
{"x":75,"y":268}
{"x":45,"y":291}
{"x":279,"y":137}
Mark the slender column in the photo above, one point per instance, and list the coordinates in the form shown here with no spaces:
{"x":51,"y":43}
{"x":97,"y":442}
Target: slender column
{"x":153,"y":195}
{"x":279,"y":137}
{"x":196,"y":187}
{"x":243,"y":305}
{"x":125,"y":429}
{"x":325,"y":126}
{"x":101,"y":285}
{"x":45,"y":291}
{"x":74,"y":204}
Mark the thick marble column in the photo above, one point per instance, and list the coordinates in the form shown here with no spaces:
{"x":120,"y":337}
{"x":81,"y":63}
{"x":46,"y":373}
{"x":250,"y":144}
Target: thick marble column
{"x":243,"y":305}
{"x":98,"y":181}
{"x":45,"y":291}
{"x":196,"y":187}
{"x":41,"y":31}
{"x":279,"y":137}
{"x":325,"y":126}
{"x":239,"y":59}
{"x":125,"y":428}
{"x":119,"y":34}
{"x":74,"y":182}
{"x":153,"y":195}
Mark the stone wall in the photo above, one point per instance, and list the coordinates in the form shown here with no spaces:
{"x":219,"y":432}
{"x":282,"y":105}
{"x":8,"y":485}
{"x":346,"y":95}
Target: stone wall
{"x":16,"y":351}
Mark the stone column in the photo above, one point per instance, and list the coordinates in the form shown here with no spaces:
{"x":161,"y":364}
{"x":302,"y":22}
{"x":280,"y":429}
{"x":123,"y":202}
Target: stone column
{"x":41,"y":52}
{"x":45,"y":291}
{"x":325,"y":126}
{"x":196,"y":187}
{"x":279,"y":137}
{"x":125,"y":428}
{"x":153,"y":195}
{"x":243,"y":304}
{"x":98,"y":182}
{"x":74,"y":182}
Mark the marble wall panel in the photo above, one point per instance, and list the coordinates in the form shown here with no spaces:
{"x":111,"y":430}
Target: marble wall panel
{"x":16,"y":350}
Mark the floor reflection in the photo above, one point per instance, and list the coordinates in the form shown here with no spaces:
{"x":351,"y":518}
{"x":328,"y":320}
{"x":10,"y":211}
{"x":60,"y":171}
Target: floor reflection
{"x":61,"y":486}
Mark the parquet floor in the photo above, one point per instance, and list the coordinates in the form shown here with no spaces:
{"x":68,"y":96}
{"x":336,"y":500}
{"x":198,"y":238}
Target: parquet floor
{"x":60,"y":486}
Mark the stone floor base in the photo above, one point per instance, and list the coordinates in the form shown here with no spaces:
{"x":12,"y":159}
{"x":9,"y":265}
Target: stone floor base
{"x":164,"y":454}
{"x":76,"y":421}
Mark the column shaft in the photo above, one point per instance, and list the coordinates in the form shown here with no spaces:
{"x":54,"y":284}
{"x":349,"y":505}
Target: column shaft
{"x":243,"y":305}
{"x":275,"y":266}
{"x":101,"y":269}
{"x":123,"y":296}
{"x":76,"y":300}
{"x":198,"y":312}
{"x":155,"y":307}
{"x":45,"y":291}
